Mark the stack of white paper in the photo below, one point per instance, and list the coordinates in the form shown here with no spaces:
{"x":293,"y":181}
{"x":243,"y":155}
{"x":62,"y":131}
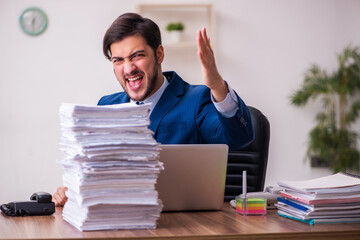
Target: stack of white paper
{"x":330,"y":199}
{"x":110,"y":167}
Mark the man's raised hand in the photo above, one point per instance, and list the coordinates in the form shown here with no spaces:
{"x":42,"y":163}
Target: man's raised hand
{"x":212,"y":78}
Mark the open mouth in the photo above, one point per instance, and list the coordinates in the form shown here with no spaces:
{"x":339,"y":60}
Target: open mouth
{"x":134,"y":82}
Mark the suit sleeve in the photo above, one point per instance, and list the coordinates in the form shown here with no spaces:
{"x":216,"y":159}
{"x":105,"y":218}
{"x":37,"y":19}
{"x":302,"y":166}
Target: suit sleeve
{"x":236,"y":131}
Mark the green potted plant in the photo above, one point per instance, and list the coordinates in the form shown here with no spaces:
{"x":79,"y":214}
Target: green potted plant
{"x":175,"y":30}
{"x":332,"y":138}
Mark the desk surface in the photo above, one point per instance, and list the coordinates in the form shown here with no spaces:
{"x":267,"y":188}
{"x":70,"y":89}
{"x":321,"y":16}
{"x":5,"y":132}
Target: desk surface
{"x":224,"y":224}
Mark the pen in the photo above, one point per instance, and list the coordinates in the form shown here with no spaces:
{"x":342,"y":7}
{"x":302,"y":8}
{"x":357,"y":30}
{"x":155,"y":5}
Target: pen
{"x":244,"y":184}
{"x":243,"y":196}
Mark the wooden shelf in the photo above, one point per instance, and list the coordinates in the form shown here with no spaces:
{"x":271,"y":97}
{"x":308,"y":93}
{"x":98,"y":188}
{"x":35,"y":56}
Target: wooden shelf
{"x":182,"y":57}
{"x":188,"y":44}
{"x":193,"y":16}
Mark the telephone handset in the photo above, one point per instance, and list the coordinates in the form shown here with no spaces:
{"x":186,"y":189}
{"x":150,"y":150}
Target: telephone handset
{"x":40,"y":204}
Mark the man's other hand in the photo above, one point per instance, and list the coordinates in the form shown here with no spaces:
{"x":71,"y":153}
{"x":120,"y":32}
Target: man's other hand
{"x":59,"y":197}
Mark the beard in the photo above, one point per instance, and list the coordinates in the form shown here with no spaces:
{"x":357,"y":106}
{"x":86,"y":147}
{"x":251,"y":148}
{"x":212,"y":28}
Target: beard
{"x":152,"y":77}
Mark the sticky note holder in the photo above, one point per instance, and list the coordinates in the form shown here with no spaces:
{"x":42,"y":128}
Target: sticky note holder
{"x":251,"y":206}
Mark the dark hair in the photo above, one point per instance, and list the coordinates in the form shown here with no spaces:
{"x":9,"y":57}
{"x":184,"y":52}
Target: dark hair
{"x":130,"y":24}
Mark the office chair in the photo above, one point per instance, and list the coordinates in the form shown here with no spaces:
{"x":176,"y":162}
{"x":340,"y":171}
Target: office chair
{"x":252,"y":158}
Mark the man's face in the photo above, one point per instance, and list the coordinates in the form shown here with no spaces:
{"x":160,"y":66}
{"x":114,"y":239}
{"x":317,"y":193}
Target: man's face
{"x":136,"y":68}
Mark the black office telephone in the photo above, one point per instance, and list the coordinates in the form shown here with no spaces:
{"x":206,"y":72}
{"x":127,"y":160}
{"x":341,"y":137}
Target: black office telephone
{"x":40,"y":204}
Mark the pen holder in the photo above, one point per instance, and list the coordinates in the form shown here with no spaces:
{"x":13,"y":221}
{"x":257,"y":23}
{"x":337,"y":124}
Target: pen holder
{"x":251,"y":206}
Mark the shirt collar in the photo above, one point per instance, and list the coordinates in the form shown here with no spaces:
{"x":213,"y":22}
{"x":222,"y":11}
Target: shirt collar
{"x":154,"y":99}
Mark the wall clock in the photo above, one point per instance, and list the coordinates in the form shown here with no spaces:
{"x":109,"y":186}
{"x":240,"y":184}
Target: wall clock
{"x":33,"y":21}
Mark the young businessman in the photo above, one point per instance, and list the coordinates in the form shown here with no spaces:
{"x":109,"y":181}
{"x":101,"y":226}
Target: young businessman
{"x":180,"y":113}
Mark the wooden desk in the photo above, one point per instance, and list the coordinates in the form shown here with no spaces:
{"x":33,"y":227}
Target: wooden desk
{"x":225,"y":224}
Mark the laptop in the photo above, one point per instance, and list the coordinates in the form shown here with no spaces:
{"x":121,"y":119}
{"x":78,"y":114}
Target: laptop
{"x":193,"y":178}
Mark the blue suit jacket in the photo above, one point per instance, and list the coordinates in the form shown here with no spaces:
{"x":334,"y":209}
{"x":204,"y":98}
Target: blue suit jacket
{"x":185,"y":114}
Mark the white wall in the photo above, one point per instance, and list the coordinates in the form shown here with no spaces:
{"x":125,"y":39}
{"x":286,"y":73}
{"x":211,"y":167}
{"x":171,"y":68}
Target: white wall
{"x":263,"y":48}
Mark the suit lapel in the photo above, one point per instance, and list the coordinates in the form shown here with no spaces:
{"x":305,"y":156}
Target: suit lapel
{"x":123,"y":98}
{"x":168,"y":100}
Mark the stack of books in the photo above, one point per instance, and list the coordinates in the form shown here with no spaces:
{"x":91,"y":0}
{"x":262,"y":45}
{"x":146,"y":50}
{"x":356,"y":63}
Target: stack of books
{"x":110,"y":167}
{"x":330,"y":199}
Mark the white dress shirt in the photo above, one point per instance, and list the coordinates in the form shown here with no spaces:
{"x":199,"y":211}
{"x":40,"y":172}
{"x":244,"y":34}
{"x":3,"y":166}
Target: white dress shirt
{"x":228,"y":107}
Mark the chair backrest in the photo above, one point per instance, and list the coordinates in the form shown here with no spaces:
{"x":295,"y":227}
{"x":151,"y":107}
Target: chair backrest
{"x":252,"y":158}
